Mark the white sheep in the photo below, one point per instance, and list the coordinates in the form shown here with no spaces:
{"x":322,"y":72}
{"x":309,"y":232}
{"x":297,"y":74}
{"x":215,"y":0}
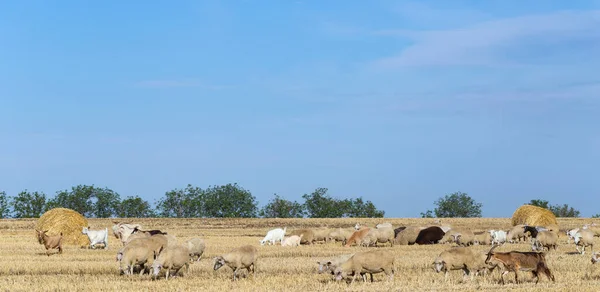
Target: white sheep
{"x":172,"y":258}
{"x":293,"y":240}
{"x":196,"y":248}
{"x":273,"y":236}
{"x":243,"y":257}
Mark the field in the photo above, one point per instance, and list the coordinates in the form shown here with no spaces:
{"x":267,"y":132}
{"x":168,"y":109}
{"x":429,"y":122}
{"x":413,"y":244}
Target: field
{"x":25,"y":267}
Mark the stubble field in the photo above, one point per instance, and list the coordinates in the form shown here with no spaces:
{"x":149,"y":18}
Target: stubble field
{"x":25,"y":267}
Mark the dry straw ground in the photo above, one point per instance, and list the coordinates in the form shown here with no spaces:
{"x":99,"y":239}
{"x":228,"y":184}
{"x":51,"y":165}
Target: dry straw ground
{"x":25,"y":267}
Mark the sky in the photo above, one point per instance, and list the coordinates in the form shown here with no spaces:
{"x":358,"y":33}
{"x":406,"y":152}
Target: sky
{"x":400,"y":102}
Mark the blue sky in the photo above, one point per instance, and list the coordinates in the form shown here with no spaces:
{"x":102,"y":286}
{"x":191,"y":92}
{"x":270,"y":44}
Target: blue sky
{"x":400,"y":102}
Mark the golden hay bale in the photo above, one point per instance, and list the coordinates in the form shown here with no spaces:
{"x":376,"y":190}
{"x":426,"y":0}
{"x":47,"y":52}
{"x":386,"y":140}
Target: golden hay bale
{"x":67,"y":221}
{"x":533,"y":216}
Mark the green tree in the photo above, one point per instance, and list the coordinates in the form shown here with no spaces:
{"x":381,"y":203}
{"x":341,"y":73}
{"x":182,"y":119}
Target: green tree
{"x":29,"y":204}
{"x":106,"y":203}
{"x":540,"y":203}
{"x":135,"y":207}
{"x":596,"y":215}
{"x":4,"y":205}
{"x":282,"y":208}
{"x":358,"y":208}
{"x":456,"y":205}
{"x":558,"y":210}
{"x":89,"y":201}
{"x":228,"y":201}
{"x":181,"y":203}
{"x":319,"y":204}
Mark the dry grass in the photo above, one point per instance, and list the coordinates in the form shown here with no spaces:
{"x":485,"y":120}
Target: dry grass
{"x":25,"y":267}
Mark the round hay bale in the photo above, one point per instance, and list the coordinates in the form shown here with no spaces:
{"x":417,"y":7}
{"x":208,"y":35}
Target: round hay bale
{"x":67,"y":221}
{"x":533,"y":216}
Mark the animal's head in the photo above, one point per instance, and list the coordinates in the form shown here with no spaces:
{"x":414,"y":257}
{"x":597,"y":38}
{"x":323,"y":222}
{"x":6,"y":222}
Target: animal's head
{"x":40,"y":235}
{"x":119,"y":256}
{"x":595,"y":257}
{"x":357,"y":226}
{"x":262,"y":242}
{"x":490,"y":254}
{"x":219,"y":262}
{"x":85,"y":230}
{"x":438,"y":264}
{"x":158,"y":263}
{"x":491,"y":232}
{"x":323,"y":266}
{"x":339,"y":274}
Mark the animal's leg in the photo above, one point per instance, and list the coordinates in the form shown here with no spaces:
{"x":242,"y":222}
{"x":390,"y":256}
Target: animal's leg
{"x":536,"y":276}
{"x":502,"y":276}
{"x":235,"y":273}
{"x":131,"y":269}
{"x":167,"y":274}
{"x":516,"y":276}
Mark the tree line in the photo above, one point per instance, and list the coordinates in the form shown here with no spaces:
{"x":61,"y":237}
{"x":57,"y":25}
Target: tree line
{"x":221,"y":201}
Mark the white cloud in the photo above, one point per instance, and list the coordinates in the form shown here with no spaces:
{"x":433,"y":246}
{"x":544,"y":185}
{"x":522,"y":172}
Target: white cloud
{"x":483,"y":43}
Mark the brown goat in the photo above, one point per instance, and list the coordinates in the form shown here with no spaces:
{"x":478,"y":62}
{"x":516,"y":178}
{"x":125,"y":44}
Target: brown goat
{"x":514,"y":261}
{"x":50,"y":242}
{"x":357,"y":236}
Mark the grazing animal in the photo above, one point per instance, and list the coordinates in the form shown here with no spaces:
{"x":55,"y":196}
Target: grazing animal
{"x":321,"y":234}
{"x":172,"y":258}
{"x":584,"y":238}
{"x":122,"y":230}
{"x":133,"y":255}
{"x":545,"y":239}
{"x":151,"y":244}
{"x":150,"y":232}
{"x":595,"y":257}
{"x":498,"y":236}
{"x":50,"y":242}
{"x":464,"y":237}
{"x":331,"y":264}
{"x":483,"y":238}
{"x":96,"y":236}
{"x":293,"y":240}
{"x":308,"y":235}
{"x":514,"y":261}
{"x":459,"y":258}
{"x":516,"y":234}
{"x":368,"y":262}
{"x":273,"y":236}
{"x":243,"y":257}
{"x":196,"y":248}
{"x":358,"y":236}
{"x":430,"y":235}
{"x":340,"y":234}
{"x":379,"y":235}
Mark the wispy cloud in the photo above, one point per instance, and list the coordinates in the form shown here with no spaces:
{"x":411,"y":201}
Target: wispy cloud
{"x":178,"y":83}
{"x":485,"y":43}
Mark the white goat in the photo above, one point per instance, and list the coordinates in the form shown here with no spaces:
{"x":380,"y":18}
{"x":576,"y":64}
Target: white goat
{"x":498,"y":236}
{"x":96,"y":236}
{"x":273,"y":236}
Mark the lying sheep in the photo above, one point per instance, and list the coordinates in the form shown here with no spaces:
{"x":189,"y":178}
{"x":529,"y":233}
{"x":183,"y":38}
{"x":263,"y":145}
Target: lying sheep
{"x":331,"y":264}
{"x":172,"y":258}
{"x":459,"y":258}
{"x":370,"y":262}
{"x":357,"y":237}
{"x":293,"y":240}
{"x":243,"y":257}
{"x":516,"y":234}
{"x":340,"y":234}
{"x":196,"y":248}
{"x":50,"y":242}
{"x":545,"y":239}
{"x":584,"y":238}
{"x":430,"y":235}
{"x":408,"y":236}
{"x":133,"y":255}
{"x":308,"y":235}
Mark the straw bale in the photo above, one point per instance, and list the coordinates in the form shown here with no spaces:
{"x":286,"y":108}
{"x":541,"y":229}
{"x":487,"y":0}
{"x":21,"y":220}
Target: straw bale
{"x":533,"y":216}
{"x":67,"y":221}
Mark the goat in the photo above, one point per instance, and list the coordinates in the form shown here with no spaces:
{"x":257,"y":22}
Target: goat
{"x":514,"y":261}
{"x":96,"y":236}
{"x":50,"y":242}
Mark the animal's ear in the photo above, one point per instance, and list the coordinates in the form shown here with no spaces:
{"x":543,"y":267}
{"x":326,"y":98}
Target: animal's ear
{"x":45,"y":231}
{"x":154,"y":254}
{"x":329,"y":263}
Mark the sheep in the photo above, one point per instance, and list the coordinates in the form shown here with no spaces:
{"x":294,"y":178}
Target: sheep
{"x":122,"y":230}
{"x":449,"y":237}
{"x":459,"y":258}
{"x":340,"y":234}
{"x":357,"y":237}
{"x":545,"y":239}
{"x":131,"y":255}
{"x":152,"y":243}
{"x":408,"y":236}
{"x":136,"y":236}
{"x":50,"y":242}
{"x":379,"y":235}
{"x":149,"y":232}
{"x":517,"y":232}
{"x":172,"y":258}
{"x":430,"y":235}
{"x":96,"y":236}
{"x":273,"y":236}
{"x":398,"y":230}
{"x":308,"y":235}
{"x":196,"y":248}
{"x":584,"y":238}
{"x":384,"y":225}
{"x":321,"y":234}
{"x":483,"y":238}
{"x":243,"y":257}
{"x":331,"y":264}
{"x":293,"y":240}
{"x":370,"y":262}
{"x":498,"y":236}
{"x":595,"y":257}
{"x":464,"y":237}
